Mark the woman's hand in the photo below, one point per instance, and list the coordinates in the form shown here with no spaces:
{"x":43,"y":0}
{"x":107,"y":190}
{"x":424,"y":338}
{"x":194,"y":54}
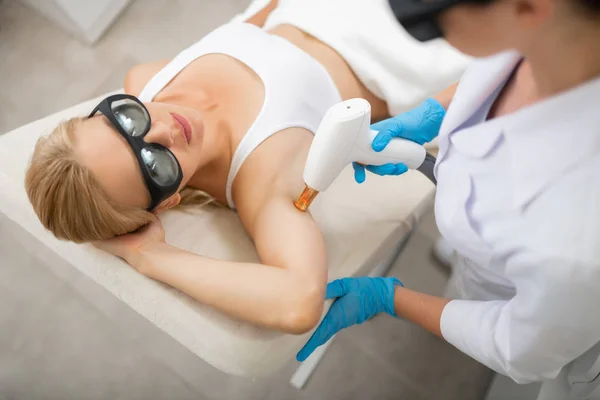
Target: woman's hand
{"x":128,"y":246}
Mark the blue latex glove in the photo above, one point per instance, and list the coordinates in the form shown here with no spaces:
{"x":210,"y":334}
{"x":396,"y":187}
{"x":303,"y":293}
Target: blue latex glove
{"x":358,"y":299}
{"x":421,"y":125}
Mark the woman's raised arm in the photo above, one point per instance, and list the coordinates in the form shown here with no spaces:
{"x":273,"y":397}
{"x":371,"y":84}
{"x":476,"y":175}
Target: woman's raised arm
{"x":285,"y":293}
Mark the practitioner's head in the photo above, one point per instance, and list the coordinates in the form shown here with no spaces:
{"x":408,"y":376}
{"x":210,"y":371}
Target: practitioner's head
{"x":85,"y":182}
{"x":484,"y":27}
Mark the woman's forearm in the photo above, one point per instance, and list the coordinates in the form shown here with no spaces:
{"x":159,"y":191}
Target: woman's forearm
{"x":269,"y":296}
{"x":445,"y":96}
{"x":422,"y":309}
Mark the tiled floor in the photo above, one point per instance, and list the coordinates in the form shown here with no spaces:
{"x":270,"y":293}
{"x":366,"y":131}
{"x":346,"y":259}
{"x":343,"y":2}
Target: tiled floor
{"x":63,"y":337}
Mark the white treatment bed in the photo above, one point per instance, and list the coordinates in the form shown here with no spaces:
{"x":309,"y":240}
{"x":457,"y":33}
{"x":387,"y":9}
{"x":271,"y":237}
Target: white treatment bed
{"x":363,"y":226}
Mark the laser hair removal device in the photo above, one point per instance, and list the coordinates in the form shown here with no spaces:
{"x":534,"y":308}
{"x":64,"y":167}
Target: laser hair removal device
{"x":345,"y":136}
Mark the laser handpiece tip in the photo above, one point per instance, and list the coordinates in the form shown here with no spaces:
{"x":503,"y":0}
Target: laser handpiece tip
{"x":306,"y":198}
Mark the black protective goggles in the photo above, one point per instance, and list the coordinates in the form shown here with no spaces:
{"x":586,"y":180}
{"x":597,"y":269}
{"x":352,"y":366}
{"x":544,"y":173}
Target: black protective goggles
{"x":160,"y":168}
{"x":419,"y":17}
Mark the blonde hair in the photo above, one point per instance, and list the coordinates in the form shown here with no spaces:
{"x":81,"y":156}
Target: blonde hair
{"x":68,"y":199}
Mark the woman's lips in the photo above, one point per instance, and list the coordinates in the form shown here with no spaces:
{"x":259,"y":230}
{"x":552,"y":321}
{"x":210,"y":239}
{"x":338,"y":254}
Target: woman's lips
{"x":186,"y":128}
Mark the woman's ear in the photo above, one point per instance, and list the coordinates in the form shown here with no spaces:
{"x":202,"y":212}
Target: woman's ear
{"x":171,"y":202}
{"x":533,"y":13}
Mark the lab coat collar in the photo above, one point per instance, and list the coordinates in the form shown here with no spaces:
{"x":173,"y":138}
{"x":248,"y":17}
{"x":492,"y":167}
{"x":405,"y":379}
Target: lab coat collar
{"x":551,"y":138}
{"x":478,"y":84}
{"x":545,"y":139}
{"x":491,"y":74}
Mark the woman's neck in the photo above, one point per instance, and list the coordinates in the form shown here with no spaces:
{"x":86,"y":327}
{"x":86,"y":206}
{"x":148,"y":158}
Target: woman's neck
{"x":215,"y":158}
{"x":234,"y":95}
{"x":565,"y":59}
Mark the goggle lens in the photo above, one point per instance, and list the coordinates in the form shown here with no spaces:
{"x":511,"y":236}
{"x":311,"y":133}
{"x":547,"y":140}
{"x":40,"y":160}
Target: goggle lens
{"x":161,"y":165}
{"x":132,"y":117}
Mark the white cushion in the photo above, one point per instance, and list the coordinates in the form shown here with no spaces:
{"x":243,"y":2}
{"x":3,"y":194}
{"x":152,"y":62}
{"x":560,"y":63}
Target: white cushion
{"x":361,"y":225}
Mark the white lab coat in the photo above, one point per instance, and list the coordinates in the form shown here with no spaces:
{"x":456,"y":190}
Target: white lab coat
{"x":519,"y":199}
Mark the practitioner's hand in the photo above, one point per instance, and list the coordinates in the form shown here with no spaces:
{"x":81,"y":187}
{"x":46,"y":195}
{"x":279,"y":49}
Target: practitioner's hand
{"x":358,"y":299}
{"x":387,"y":169}
{"x":127,"y":246}
{"x":421,"y":125}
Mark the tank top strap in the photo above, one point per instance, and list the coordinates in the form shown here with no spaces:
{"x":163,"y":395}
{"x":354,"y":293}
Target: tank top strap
{"x":224,"y":40}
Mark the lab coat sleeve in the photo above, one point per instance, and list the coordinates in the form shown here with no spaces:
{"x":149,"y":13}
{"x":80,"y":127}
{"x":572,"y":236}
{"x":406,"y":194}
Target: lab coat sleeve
{"x":552,"y":320}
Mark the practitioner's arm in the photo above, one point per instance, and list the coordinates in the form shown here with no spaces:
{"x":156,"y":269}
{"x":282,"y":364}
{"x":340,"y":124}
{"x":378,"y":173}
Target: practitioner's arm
{"x":422,"y":309}
{"x":445,"y":96}
{"x":286,"y":292}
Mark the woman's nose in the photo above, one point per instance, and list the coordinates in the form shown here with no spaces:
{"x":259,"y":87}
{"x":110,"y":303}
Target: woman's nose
{"x":161,"y":134}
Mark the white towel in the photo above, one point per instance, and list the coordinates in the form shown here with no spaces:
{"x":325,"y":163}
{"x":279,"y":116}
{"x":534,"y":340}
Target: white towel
{"x":389,"y":62}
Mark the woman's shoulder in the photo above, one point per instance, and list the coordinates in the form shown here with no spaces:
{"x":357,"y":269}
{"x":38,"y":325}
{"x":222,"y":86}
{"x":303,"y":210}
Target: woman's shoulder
{"x":139,"y":75}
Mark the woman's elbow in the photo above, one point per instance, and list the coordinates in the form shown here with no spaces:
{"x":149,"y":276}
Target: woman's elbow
{"x":304,"y":311}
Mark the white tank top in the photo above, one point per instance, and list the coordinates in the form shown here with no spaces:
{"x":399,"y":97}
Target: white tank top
{"x":298,"y":89}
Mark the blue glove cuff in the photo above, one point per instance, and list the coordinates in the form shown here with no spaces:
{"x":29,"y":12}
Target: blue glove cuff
{"x":388,"y":303}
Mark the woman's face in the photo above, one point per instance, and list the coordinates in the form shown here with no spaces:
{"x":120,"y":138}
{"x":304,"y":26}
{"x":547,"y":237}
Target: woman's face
{"x":107,"y":154}
{"x":483,"y":30}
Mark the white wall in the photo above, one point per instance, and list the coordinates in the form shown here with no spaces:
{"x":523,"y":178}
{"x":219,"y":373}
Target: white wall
{"x":87,"y":20}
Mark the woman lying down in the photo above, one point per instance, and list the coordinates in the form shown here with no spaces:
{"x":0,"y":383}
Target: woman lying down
{"x":230,"y":119}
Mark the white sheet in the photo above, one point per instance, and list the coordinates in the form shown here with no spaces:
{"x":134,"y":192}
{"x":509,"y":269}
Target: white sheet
{"x":388,"y":61}
{"x":361,"y":224}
